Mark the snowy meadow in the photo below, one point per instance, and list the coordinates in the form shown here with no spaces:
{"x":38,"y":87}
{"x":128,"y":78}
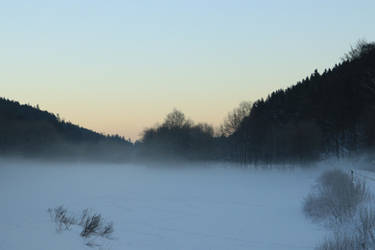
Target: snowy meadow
{"x":212,"y":207}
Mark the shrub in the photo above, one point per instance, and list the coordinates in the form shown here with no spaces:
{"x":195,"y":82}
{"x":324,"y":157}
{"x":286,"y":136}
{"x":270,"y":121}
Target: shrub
{"x":60,"y":216}
{"x":342,"y":242}
{"x":340,"y":198}
{"x":362,"y":237}
{"x":366,"y":228}
{"x":335,"y":196}
{"x":92,"y":224}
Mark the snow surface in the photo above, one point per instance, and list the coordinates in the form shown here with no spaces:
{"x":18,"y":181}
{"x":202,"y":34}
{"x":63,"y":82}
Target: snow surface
{"x":157,"y":208}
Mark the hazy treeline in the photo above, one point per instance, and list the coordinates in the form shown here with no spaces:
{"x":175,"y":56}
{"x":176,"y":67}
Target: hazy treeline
{"x":30,"y":132}
{"x":327,"y":114}
{"x":177,"y":139}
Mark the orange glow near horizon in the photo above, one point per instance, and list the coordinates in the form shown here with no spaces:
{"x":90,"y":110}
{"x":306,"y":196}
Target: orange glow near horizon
{"x":118,"y":67}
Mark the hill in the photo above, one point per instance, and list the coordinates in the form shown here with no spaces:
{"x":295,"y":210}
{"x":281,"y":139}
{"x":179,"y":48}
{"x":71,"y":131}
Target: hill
{"x":28,"y":131}
{"x":326,"y":114}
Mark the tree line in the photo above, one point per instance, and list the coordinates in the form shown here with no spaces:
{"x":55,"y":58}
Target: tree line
{"x":27,"y":131}
{"x":326,"y":114}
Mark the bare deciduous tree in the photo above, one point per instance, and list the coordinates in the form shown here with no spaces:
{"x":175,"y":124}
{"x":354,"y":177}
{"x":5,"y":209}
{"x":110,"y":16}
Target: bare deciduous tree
{"x":176,"y":119}
{"x":235,"y":117}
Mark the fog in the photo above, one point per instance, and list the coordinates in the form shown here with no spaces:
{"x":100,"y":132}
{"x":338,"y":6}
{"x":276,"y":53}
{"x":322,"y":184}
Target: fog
{"x":213,"y":206}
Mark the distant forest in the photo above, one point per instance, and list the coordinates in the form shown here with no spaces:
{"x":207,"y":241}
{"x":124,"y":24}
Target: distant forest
{"x":27,"y":131}
{"x":326,"y":114}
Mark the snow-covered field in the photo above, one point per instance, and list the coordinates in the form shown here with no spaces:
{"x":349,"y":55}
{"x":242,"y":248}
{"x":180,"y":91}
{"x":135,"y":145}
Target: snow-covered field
{"x":157,"y":208}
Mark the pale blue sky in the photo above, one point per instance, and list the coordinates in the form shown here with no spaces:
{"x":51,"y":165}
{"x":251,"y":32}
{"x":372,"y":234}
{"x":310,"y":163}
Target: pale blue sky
{"x":121,"y":66}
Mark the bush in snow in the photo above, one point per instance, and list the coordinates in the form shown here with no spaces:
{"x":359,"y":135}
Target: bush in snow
{"x":335,"y":196}
{"x":342,"y":242}
{"x":361,"y":236}
{"x":61,"y":217}
{"x":338,"y":197}
{"x":92,"y":224}
{"x":365,"y":230}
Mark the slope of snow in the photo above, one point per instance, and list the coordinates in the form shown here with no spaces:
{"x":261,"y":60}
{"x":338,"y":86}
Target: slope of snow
{"x":153,"y":208}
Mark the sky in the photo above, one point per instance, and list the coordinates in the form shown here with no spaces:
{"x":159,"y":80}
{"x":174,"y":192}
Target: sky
{"x":118,"y":67}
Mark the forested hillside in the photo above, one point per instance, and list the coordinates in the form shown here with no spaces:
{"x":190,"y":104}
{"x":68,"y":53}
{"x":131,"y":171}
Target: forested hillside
{"x":29,"y":131}
{"x":326,"y":114}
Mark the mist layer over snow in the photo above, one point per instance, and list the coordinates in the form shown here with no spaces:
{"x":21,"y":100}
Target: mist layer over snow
{"x":157,"y":208}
